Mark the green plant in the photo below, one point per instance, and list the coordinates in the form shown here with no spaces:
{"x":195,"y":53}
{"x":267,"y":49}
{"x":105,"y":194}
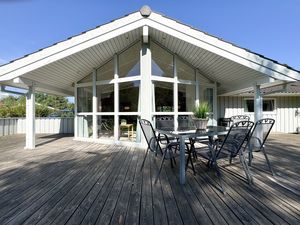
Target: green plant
{"x":202,"y":110}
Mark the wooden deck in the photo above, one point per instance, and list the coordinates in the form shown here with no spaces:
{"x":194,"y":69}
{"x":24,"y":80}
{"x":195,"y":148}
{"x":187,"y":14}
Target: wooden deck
{"x":69,"y":182}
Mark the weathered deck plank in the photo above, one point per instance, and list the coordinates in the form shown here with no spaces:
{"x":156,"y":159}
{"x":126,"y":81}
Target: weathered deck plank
{"x":69,"y":182}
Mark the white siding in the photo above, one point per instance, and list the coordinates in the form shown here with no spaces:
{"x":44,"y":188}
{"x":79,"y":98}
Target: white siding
{"x":45,"y":125}
{"x":286,"y":118}
{"x":8,"y":126}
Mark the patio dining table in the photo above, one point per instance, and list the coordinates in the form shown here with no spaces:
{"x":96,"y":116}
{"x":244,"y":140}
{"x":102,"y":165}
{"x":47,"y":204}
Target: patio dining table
{"x":183,"y":135}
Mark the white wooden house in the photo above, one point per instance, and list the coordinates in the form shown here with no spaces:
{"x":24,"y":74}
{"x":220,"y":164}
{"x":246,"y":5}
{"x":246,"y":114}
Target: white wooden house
{"x":148,"y":65}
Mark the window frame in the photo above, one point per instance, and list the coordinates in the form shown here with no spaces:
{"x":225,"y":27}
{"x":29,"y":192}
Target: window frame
{"x":265,"y":112}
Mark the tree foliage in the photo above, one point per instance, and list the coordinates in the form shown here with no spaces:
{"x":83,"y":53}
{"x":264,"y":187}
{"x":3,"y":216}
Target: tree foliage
{"x":46,"y":105}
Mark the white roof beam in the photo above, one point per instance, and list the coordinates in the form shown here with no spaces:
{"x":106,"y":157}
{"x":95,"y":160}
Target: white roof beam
{"x":246,"y":87}
{"x":29,"y":82}
{"x":67,"y":48}
{"x":246,"y":59}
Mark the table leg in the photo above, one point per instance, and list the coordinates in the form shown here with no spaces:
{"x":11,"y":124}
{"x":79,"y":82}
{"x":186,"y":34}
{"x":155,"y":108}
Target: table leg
{"x":182,"y":161}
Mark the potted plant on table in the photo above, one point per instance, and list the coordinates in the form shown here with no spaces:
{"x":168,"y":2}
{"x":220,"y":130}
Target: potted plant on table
{"x":200,"y":116}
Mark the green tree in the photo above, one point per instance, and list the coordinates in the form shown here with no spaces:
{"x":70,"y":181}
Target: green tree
{"x":45,"y":105}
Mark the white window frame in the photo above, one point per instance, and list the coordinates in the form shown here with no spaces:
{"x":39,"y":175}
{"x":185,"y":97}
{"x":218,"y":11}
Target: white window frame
{"x":264,"y":112}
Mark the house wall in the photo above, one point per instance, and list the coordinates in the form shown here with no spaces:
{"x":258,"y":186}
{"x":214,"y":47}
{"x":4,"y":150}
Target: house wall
{"x":9,"y":126}
{"x":287,"y":119}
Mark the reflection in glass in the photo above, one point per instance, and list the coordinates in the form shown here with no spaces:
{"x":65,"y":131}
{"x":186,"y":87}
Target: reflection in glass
{"x":184,"y":71}
{"x":268,"y":105}
{"x":129,"y":62}
{"x":85,"y":126}
{"x":207,"y":94}
{"x":106,"y":72}
{"x":186,"y":97}
{"x":105,"y":126}
{"x":86,"y":79}
{"x":129,"y":96}
{"x":163,"y":96}
{"x":105,"y":96}
{"x":162,"y":61}
{"x":164,"y":122}
{"x":185,"y":122}
{"x":84,"y":99}
{"x":128,"y":128}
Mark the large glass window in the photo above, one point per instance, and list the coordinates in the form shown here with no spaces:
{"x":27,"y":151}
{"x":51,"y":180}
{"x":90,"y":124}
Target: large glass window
{"x":164,"y":122}
{"x":129,"y":61}
{"x":128,"y":128}
{"x":186,"y":97}
{"x":184,"y":71}
{"x":106,"y":72}
{"x":105,"y":126}
{"x":84,"y":99}
{"x":162,"y":61}
{"x":268,"y":105}
{"x":185,"y":122}
{"x":129,"y":96}
{"x":163,"y":96}
{"x":85,"y":126}
{"x":207,"y":94}
{"x":105,"y":96}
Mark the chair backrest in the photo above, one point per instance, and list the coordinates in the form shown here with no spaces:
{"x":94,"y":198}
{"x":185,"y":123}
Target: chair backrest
{"x":235,"y":138}
{"x":261,"y":132}
{"x":165,"y":122}
{"x":150,"y":136}
{"x":238,"y":118}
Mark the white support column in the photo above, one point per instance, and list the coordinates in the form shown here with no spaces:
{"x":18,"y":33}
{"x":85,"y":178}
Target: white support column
{"x":146,"y":87}
{"x":116,"y":99}
{"x":30,"y":118}
{"x":75,"y":112}
{"x":258,"y":108}
{"x":146,"y":82}
{"x":175,"y":93}
{"x":257,"y":103}
{"x":197,"y":89}
{"x":215,"y":105}
{"x":95,"y":102}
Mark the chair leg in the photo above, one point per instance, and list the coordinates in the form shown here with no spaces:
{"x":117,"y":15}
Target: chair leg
{"x":219,"y":175}
{"x":172,"y":158}
{"x":144,"y":159}
{"x":161,"y":164}
{"x":191,"y":160}
{"x":250,"y":155}
{"x":246,"y":168}
{"x":268,"y":162}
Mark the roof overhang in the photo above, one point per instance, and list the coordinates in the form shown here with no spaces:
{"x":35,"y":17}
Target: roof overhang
{"x":55,"y":69}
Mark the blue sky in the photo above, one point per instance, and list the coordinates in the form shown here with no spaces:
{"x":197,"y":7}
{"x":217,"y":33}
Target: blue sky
{"x":268,"y":27}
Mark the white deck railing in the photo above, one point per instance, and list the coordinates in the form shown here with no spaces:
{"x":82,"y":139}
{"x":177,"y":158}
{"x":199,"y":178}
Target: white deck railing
{"x":43,"y":125}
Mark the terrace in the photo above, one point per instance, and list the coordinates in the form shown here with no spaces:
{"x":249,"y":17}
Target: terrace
{"x":70,"y":182}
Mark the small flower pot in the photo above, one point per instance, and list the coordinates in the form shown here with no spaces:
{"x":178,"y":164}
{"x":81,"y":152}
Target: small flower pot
{"x":200,"y":124}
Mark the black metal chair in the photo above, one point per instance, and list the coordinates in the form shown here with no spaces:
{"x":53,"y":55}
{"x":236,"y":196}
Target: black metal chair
{"x":230,"y":147}
{"x":258,"y":139}
{"x":154,"y":145}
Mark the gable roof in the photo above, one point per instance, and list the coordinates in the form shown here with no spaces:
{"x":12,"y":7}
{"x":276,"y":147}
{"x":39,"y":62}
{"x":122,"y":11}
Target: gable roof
{"x":65,"y":62}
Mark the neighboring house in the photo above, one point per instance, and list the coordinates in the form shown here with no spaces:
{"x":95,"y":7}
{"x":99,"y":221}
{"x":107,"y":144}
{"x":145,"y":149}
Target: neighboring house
{"x":148,"y":65}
